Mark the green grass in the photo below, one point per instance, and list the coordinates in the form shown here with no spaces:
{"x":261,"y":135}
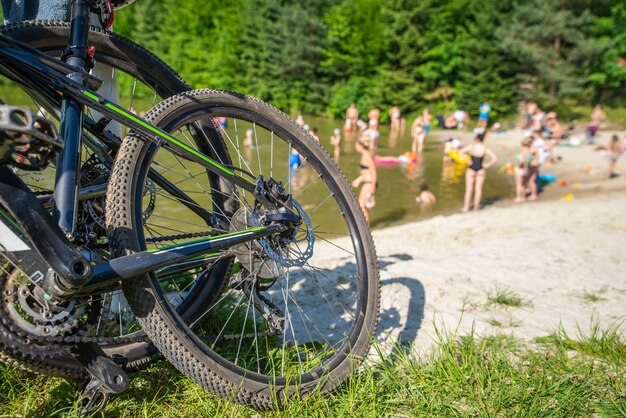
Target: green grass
{"x":558,"y":375}
{"x":505,"y":297}
{"x":591,"y":297}
{"x":511,"y":323}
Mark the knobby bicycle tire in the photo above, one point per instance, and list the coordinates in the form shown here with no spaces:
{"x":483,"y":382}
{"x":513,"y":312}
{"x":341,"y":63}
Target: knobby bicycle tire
{"x":52,"y":37}
{"x":277,"y":330}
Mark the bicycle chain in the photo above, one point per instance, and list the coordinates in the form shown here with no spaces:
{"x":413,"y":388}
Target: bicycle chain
{"x":155,"y":240}
{"x":244,"y":336}
{"x":75,"y":339}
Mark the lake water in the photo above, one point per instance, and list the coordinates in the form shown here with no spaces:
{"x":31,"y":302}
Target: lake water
{"x":399,"y":184}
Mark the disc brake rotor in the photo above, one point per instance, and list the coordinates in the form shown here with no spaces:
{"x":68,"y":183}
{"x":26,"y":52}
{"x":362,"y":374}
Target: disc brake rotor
{"x":262,"y":257}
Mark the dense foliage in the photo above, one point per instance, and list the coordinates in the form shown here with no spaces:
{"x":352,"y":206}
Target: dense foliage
{"x":319,"y":55}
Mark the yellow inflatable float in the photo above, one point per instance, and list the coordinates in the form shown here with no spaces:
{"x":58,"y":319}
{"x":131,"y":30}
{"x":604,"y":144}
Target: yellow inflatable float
{"x":456,"y":156}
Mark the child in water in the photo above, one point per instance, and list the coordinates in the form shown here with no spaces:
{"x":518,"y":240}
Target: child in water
{"x":426,"y":197}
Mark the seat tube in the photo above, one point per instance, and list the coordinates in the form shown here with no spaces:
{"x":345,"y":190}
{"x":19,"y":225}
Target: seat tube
{"x":67,"y":180}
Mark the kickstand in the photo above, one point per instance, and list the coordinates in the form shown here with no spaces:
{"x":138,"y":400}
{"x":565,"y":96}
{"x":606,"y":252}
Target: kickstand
{"x":105,"y":376}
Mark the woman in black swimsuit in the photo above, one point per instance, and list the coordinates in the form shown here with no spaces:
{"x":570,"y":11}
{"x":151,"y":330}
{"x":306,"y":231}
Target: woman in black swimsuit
{"x":477,"y":170}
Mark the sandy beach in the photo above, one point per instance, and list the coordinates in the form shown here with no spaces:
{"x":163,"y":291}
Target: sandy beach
{"x":563,"y":257}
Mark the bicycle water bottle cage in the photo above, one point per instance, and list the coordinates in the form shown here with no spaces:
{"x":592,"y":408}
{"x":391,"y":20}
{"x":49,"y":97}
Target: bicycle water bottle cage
{"x":27,"y":140}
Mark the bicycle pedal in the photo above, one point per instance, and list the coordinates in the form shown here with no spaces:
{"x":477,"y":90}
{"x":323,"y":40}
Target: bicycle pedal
{"x":27,"y":140}
{"x":106,"y":377}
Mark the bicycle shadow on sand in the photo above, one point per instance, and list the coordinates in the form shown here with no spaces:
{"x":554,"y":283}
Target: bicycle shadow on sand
{"x":402,"y":306}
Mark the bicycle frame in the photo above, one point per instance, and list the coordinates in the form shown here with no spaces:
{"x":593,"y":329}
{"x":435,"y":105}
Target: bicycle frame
{"x":54,"y":82}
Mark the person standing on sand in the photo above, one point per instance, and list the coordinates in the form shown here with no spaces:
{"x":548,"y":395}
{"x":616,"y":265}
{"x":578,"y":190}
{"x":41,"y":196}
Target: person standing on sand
{"x":615,"y":149}
{"x":483,"y":115}
{"x":523,"y":159}
{"x":597,"y":117}
{"x":368,"y":177}
{"x":538,"y":154}
{"x":476,"y":172}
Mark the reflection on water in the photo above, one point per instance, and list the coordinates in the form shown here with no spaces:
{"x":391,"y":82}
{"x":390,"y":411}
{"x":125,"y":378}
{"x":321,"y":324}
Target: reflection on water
{"x":399,"y":183}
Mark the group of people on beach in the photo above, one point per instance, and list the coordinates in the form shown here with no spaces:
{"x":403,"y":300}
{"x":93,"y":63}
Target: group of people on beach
{"x":545,"y":131}
{"x":367,"y":143}
{"x":480,"y":157}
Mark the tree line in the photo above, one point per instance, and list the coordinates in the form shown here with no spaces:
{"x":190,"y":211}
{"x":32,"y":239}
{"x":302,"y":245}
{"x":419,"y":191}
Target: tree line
{"x":318,"y":56}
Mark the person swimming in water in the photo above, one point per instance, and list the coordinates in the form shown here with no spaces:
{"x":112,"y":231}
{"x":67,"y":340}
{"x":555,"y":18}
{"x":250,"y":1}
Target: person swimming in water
{"x":426,"y":197}
{"x":476,"y":170}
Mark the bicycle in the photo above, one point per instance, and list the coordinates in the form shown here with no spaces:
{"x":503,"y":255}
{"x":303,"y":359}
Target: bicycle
{"x":144,"y":73}
{"x":303,"y":290}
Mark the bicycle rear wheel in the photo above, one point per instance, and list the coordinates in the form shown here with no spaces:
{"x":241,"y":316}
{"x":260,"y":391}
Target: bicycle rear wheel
{"x":296,"y":316}
{"x":144,"y":80}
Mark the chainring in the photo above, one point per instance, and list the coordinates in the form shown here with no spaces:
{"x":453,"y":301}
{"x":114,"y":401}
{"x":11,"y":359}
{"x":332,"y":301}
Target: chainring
{"x":25,"y":315}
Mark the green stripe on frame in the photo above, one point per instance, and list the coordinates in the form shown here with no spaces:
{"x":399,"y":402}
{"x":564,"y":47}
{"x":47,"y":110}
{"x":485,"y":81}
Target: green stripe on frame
{"x":8,"y":218}
{"x":163,"y":135}
{"x":184,"y":244}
